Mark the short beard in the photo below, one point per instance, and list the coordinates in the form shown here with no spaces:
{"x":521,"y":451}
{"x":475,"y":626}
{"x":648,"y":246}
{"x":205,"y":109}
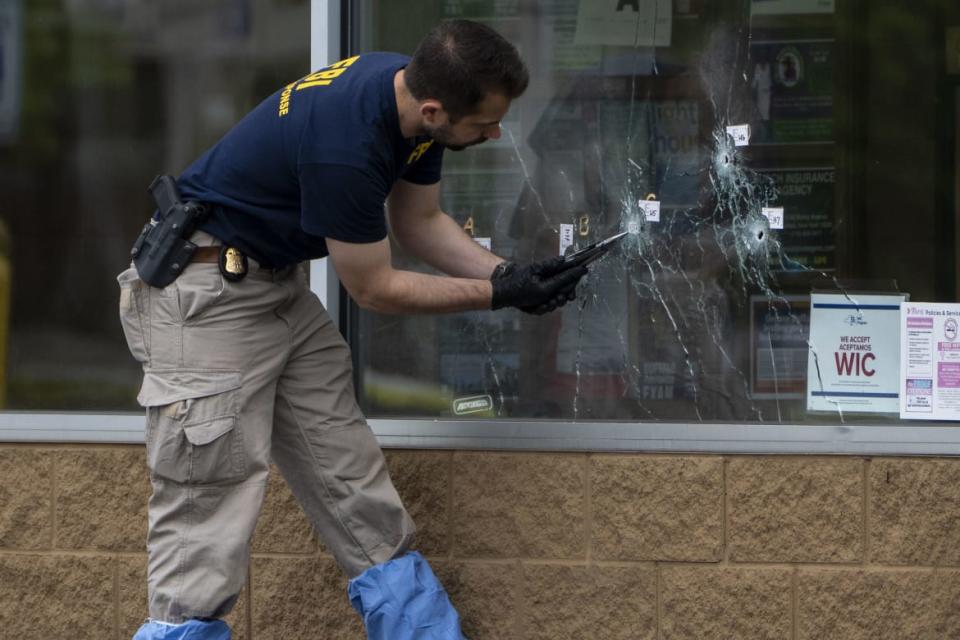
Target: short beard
{"x":441,"y":135}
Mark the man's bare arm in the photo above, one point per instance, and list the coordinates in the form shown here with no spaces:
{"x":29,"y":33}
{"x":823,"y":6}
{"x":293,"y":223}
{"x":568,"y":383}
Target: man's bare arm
{"x":367,"y":273}
{"x":423,"y":229}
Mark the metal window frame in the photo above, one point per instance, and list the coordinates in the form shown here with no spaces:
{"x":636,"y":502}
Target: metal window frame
{"x":541,"y":435}
{"x":328,"y":19}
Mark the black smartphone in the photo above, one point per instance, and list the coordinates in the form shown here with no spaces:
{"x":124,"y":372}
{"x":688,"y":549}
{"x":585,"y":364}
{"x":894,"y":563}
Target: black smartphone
{"x":591,"y":252}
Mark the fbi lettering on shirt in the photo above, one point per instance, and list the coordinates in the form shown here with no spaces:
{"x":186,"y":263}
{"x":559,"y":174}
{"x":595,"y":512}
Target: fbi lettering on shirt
{"x":321,"y":78}
{"x":419,"y":151}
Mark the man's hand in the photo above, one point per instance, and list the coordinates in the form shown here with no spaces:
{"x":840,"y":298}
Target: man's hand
{"x":537,"y":288}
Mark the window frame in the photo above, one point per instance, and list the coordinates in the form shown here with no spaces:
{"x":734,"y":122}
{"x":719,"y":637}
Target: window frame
{"x":549,"y":435}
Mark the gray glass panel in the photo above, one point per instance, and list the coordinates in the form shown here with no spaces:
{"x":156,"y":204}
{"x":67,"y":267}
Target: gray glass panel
{"x":97,"y":97}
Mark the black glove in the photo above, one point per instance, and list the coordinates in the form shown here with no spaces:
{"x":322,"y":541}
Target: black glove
{"x":538,"y":287}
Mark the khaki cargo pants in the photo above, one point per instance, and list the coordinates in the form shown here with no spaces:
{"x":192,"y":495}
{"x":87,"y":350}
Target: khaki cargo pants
{"x":236,"y":375}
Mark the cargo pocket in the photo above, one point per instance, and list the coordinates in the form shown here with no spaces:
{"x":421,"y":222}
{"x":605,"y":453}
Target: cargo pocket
{"x":131,"y":313}
{"x":192,"y":434}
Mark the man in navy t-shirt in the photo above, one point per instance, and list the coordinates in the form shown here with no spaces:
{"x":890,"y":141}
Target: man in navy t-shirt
{"x":316,"y":160}
{"x":242,"y":365}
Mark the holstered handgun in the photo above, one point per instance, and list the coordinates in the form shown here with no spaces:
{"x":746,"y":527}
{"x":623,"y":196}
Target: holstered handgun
{"x":163,"y":249}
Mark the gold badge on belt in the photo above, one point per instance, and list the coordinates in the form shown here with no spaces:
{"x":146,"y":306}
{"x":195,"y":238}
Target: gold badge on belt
{"x":233,"y":264}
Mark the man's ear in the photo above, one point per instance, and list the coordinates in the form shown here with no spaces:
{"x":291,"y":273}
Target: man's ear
{"x":432,"y":112}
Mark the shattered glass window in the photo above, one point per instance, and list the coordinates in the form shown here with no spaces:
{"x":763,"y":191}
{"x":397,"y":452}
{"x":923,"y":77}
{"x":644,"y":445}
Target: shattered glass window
{"x":757,"y":152}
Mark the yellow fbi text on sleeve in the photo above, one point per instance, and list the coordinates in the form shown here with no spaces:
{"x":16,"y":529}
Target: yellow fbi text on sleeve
{"x":320,"y":78}
{"x":419,"y":151}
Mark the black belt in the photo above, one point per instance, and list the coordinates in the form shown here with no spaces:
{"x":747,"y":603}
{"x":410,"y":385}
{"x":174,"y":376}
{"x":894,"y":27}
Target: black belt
{"x":210,"y":255}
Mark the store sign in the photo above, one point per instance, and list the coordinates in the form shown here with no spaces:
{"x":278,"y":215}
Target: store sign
{"x":11,"y":52}
{"x":808,"y":194}
{"x":641,"y":23}
{"x":793,"y":86}
{"x":854,"y":362}
{"x":930,"y":356}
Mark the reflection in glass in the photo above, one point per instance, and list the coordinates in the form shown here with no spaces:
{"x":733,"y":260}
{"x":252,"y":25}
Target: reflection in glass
{"x":97,"y":97}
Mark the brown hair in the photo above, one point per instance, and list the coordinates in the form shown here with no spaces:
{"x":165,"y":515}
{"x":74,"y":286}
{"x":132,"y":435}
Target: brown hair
{"x":459,"y":62}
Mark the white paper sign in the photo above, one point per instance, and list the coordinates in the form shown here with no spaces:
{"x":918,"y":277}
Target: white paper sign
{"x":854,"y":361}
{"x":930,"y":361}
{"x":483,"y":242}
{"x":566,"y":237}
{"x":637,"y":23}
{"x":774,"y":215}
{"x":740,"y":134}
{"x":651,"y":210}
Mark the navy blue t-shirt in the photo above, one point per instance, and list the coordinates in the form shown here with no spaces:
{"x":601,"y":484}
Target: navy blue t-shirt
{"x":315,"y":160}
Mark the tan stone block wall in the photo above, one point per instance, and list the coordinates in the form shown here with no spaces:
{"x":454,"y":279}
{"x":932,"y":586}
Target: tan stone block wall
{"x":795,"y":510}
{"x":880,"y":604}
{"x":725,"y":602}
{"x":26,"y":498}
{"x":916,"y":507}
{"x":529,"y":546}
{"x":656,"y":508}
{"x":507,"y":506}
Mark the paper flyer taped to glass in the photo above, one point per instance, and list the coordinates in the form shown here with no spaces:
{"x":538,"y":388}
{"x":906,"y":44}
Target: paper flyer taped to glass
{"x":930,"y":361}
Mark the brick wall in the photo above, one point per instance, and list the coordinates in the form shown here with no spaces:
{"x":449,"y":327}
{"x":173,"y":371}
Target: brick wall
{"x":530,"y":546}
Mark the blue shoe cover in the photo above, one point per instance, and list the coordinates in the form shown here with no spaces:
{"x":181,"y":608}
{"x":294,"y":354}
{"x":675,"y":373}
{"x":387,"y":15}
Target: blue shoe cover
{"x":189,"y":630}
{"x":402,"y":600}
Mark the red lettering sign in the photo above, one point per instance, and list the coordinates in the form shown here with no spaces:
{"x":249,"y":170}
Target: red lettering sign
{"x":853,"y":363}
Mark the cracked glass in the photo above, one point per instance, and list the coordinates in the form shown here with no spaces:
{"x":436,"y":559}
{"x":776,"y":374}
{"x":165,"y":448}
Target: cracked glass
{"x":762,"y":155}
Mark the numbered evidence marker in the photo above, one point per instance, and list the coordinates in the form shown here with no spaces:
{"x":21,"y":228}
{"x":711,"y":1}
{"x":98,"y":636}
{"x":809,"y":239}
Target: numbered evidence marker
{"x":566,"y":237}
{"x":633,"y":226}
{"x":740,"y":133}
{"x":483,"y":242}
{"x":651,"y":210}
{"x":774,"y":215}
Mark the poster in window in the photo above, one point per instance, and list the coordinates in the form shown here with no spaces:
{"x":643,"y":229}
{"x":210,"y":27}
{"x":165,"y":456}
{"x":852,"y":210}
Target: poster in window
{"x":929,"y":361}
{"x":778,"y":346}
{"x":792,"y":88}
{"x":854,"y":363}
{"x":807,"y":197}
